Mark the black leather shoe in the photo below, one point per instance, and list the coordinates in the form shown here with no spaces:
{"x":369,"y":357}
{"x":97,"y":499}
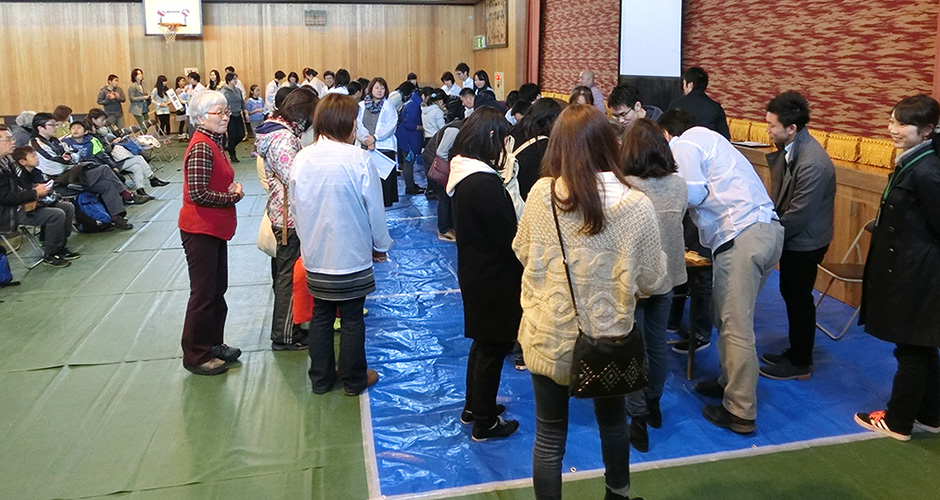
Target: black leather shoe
{"x":226,"y":353}
{"x":68,"y":254}
{"x":786,"y":370}
{"x":466,"y":417}
{"x":639,"y":436}
{"x":718,"y":415}
{"x":154,"y":182}
{"x":501,"y":429}
{"x":772,"y":359}
{"x":710,"y":388}
{"x":610,"y":495}
{"x":10,"y":283}
{"x":296,"y":346}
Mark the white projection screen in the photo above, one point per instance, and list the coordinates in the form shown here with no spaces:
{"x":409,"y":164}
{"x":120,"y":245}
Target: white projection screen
{"x":651,"y":38}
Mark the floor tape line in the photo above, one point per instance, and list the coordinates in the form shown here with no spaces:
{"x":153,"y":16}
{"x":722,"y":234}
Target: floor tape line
{"x":659,"y":464}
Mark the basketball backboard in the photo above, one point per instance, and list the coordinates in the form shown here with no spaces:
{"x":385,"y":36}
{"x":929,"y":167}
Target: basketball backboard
{"x":186,"y":13}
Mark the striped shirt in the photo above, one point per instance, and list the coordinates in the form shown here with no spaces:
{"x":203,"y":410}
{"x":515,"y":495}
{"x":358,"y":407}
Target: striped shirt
{"x":341,"y":287}
{"x":199,"y":171}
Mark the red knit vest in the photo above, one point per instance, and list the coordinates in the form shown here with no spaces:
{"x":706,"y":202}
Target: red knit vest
{"x":197,"y":219}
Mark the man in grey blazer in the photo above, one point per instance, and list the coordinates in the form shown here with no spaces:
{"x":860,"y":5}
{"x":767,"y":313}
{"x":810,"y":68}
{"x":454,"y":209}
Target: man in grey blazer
{"x":803,"y":189}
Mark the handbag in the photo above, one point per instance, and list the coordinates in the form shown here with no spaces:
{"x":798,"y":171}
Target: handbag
{"x":267,"y":243}
{"x":602,"y":366}
{"x":439,"y":171}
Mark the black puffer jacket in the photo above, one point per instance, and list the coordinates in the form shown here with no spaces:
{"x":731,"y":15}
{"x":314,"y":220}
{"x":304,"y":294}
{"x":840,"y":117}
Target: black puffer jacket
{"x":13,"y":194}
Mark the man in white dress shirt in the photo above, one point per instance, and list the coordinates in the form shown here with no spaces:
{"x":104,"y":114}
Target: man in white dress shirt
{"x":736,"y":220}
{"x":463,"y":75}
{"x":270,"y":90}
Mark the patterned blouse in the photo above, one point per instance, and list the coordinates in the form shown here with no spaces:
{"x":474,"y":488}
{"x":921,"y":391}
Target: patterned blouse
{"x":278,"y":148}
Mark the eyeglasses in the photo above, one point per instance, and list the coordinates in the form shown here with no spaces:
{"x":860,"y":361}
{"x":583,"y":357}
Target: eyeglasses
{"x":51,"y":124}
{"x":226,"y":112}
{"x":8,"y":138}
{"x":620,"y":116}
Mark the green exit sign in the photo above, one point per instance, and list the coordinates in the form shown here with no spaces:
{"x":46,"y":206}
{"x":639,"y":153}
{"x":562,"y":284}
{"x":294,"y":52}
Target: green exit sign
{"x":479,"y":42}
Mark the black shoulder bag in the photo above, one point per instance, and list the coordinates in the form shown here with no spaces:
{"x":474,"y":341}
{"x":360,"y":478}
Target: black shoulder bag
{"x":602,"y":366}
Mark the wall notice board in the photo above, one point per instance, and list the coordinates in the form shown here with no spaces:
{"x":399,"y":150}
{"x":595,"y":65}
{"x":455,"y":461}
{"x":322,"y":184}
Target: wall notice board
{"x":497,"y":23}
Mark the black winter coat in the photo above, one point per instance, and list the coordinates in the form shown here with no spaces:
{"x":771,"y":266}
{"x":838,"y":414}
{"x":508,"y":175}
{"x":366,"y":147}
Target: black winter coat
{"x":901,"y":287}
{"x":13,"y":194}
{"x":489,"y":273}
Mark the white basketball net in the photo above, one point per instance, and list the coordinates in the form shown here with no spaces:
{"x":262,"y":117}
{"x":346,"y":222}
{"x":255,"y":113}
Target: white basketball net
{"x":169,"y":31}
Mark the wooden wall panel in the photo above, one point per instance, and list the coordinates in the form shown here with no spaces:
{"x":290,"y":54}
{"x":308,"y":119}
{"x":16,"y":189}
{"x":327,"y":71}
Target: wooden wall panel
{"x":510,"y":59}
{"x":66,"y":58}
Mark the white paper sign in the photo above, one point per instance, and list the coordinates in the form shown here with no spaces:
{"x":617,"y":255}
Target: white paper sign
{"x":381,"y":163}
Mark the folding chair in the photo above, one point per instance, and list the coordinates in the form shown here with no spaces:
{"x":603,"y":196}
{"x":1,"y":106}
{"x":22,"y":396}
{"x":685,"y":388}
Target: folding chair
{"x":846,"y":272}
{"x":164,"y":154}
{"x":24,"y":234}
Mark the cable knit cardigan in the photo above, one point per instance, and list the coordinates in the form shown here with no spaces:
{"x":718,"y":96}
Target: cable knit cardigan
{"x":608,"y":271}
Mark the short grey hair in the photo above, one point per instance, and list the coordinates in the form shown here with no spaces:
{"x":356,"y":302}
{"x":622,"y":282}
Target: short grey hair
{"x":25,"y":119}
{"x":199,"y":105}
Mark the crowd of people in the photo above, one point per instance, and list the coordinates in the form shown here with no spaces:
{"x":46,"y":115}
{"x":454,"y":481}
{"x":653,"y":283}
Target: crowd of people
{"x":551,"y":205}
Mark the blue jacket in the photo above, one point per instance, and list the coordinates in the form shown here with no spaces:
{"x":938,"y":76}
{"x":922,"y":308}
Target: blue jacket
{"x":410,"y":138}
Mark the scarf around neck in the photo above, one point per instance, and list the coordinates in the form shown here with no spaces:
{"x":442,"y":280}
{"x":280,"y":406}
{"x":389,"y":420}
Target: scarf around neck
{"x":373,"y":105}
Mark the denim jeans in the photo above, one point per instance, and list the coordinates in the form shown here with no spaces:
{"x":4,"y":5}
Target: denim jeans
{"x":652,"y":314}
{"x":701,"y":324}
{"x":352,"y":346}
{"x":407,"y":168}
{"x":445,"y":218}
{"x":551,"y":432}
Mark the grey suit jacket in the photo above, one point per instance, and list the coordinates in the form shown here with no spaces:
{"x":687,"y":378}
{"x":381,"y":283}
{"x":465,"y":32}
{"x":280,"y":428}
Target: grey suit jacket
{"x":803,"y":190}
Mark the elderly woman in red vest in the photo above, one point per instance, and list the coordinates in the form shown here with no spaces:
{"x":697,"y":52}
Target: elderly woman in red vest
{"x":207,"y":222}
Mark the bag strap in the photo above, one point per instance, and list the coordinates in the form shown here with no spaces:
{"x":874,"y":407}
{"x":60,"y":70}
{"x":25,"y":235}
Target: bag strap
{"x":283,"y":213}
{"x":529,"y":143}
{"x":564,"y":256}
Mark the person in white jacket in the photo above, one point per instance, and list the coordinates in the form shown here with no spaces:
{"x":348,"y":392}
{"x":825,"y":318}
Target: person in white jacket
{"x":432,"y":114}
{"x":336,"y":203}
{"x":376,"y":125}
{"x":270,"y":90}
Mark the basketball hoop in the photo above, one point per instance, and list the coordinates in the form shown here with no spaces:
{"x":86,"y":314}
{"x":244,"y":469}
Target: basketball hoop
{"x":169,"y":31}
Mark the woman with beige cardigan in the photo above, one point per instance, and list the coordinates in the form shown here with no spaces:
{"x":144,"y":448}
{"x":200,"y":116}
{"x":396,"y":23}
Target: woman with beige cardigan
{"x":612,"y":241}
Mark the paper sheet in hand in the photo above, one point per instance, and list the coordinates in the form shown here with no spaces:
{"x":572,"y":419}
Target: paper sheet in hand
{"x":174,"y":99}
{"x":382,"y":164}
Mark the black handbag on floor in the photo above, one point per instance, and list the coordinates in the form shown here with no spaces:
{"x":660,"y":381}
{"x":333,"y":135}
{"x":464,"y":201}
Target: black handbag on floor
{"x":602,"y":366}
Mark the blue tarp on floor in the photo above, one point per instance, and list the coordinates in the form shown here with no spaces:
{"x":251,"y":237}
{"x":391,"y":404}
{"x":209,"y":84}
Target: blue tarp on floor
{"x":415,"y":341}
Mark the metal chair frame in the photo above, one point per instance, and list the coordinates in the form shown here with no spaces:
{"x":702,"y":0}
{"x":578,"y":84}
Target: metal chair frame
{"x":25,"y":234}
{"x":856,"y":269}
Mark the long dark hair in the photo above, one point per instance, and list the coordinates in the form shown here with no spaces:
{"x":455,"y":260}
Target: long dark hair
{"x":481,"y":137}
{"x":644,"y":151}
{"x":161,"y":86}
{"x":214,"y":83}
{"x":582,"y":143}
{"x":486,"y":81}
{"x":539,"y":119}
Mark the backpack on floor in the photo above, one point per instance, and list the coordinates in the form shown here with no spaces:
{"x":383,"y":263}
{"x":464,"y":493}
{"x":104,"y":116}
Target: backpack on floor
{"x":6,"y":275}
{"x":90,"y":214}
